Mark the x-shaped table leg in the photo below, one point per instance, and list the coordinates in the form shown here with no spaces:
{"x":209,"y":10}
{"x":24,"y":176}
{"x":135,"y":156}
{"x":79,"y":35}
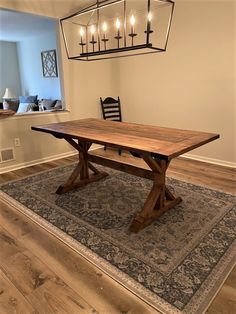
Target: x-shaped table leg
{"x":81,"y":171}
{"x":159,"y":200}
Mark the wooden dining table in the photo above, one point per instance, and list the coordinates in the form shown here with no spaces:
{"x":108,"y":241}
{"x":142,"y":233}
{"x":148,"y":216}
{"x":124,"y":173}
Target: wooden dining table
{"x":156,"y":145}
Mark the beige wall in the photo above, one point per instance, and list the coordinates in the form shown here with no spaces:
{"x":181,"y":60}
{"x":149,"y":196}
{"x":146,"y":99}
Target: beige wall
{"x":190,"y":86}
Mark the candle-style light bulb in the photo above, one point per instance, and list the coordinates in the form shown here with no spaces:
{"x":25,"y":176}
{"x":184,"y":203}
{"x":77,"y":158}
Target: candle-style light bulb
{"x":118,"y":27}
{"x":132,"y":22}
{"x":149,"y":16}
{"x":92,"y":29}
{"x":82,"y":44}
{"x":104,"y":27}
{"x":132,"y":33}
{"x":93,"y":42}
{"x":104,"y":39}
{"x":117,"y":24}
{"x":81,"y":32}
{"x":118,"y":36}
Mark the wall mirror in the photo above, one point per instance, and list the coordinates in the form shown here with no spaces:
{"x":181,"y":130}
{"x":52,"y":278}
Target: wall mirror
{"x":29,"y":63}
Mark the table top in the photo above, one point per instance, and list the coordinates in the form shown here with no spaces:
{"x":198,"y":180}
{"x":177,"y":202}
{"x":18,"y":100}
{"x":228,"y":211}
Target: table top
{"x":161,"y":142}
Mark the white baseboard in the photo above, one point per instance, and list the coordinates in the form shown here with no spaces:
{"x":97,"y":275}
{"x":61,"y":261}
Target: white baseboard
{"x":210,"y":160}
{"x":37,"y":161}
{"x":96,"y":146}
{"x":42,"y":160}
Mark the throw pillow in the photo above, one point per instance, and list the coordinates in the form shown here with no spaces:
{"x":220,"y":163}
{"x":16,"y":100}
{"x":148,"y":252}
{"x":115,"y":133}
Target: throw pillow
{"x":28,"y":99}
{"x":47,"y":104}
{"x":58,"y":105}
{"x":25,"y":107}
{"x":11,"y":104}
{"x":32,"y":107}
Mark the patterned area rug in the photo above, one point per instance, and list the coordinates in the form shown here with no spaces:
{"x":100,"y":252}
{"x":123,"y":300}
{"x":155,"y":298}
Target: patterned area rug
{"x":177,"y":264}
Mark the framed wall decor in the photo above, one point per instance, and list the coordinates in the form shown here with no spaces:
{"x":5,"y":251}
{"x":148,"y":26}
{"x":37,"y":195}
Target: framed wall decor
{"x":49,"y":63}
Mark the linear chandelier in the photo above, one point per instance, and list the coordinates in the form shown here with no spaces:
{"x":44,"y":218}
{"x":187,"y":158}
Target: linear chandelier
{"x":117,"y":28}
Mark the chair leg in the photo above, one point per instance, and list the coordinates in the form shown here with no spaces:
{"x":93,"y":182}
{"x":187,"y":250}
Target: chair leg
{"x":119,"y":151}
{"x":105,"y":147}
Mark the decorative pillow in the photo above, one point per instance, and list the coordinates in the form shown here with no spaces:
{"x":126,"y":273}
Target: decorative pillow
{"x":47,"y":104}
{"x":25,"y":107}
{"x":11,"y":104}
{"x":28,"y":99}
{"x":35,"y":107}
{"x":58,"y":104}
{"x":32,"y":107}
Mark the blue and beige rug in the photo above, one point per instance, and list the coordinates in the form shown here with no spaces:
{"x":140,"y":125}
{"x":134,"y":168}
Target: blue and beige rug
{"x":177,"y":264}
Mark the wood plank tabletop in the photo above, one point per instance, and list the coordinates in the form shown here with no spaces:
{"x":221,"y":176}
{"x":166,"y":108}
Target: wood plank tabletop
{"x":162,"y":142}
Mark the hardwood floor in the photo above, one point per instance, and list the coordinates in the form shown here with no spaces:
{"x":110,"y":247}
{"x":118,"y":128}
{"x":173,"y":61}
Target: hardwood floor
{"x":40,"y":274}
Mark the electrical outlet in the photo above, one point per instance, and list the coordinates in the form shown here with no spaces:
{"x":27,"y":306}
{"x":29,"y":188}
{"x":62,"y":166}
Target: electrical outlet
{"x":17,"y":141}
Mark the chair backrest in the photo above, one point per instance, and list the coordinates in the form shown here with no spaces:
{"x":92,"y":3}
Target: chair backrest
{"x":111,"y":109}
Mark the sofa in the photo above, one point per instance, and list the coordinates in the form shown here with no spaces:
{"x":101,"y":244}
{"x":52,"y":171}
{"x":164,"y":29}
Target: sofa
{"x":25,"y":104}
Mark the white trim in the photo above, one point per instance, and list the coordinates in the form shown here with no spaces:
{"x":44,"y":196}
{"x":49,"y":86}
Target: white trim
{"x":43,"y":160}
{"x":37,"y":161}
{"x":210,"y":160}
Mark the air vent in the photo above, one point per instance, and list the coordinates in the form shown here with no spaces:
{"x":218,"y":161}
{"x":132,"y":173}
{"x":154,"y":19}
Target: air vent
{"x":7,"y":155}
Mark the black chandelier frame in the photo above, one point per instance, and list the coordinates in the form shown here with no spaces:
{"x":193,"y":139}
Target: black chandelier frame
{"x":101,"y":53}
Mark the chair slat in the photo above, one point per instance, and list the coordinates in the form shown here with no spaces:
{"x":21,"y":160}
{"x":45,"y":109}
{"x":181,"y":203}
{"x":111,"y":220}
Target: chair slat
{"x":113,"y":116}
{"x":110,"y":106}
{"x":111,"y":110}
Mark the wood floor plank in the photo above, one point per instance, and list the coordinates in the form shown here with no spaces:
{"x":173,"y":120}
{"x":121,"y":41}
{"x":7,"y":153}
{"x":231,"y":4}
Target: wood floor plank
{"x":84,"y":278}
{"x":56,"y":297}
{"x":11,"y":300}
{"x":43,"y":289}
{"x":5,"y":177}
{"x":227,"y":187}
{"x":225,"y":302}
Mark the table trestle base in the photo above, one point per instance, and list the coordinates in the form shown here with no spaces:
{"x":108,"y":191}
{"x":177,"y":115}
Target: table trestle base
{"x":81,"y":171}
{"x":159,"y":200}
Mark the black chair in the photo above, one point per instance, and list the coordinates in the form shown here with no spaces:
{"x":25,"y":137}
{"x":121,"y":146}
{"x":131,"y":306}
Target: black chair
{"x":111,"y":110}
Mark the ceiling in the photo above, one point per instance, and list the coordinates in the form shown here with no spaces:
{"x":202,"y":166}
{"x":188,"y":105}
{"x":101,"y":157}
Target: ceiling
{"x":50,"y":8}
